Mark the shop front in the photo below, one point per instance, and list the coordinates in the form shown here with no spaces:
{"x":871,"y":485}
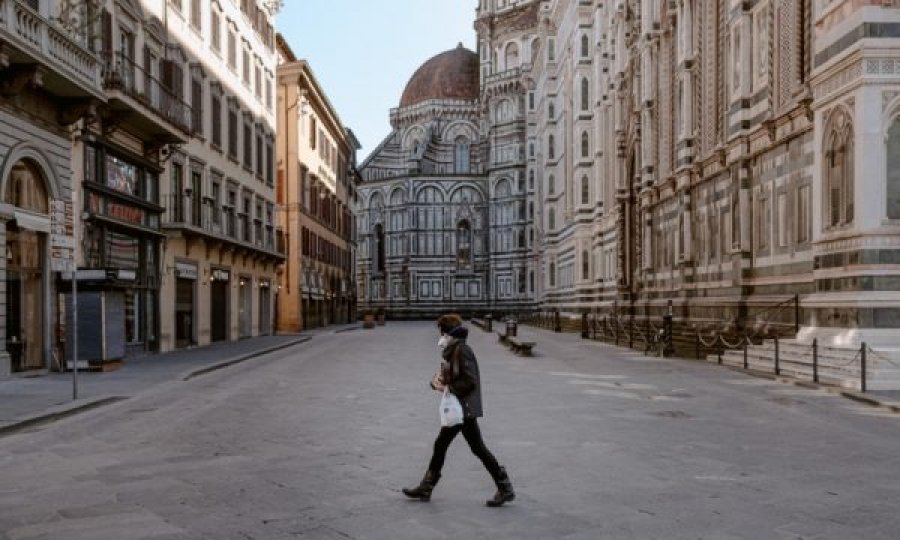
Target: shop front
{"x":119,"y":276}
{"x":27,"y":281}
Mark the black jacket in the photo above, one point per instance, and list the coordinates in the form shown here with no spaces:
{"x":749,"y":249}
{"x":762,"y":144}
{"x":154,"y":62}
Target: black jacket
{"x":460,"y":372}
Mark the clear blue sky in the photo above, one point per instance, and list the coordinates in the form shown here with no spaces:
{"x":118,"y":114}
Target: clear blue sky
{"x":364,"y":51}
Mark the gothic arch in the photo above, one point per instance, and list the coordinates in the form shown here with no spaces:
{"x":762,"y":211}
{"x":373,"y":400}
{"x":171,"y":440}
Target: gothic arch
{"x":460,"y":192}
{"x":503,"y":187}
{"x":411,"y":135}
{"x":398,"y":197}
{"x":460,"y":128}
{"x":425,"y":192}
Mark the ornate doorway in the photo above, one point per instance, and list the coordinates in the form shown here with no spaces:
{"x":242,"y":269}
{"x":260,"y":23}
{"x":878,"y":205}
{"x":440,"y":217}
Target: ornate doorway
{"x":25,"y":267}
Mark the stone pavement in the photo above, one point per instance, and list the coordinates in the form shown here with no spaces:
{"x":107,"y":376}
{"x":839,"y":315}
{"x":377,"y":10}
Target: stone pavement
{"x":26,"y":396}
{"x":316,"y":441}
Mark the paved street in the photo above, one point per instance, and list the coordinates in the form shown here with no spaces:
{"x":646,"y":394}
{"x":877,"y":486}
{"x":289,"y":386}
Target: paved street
{"x":315,"y":441}
{"x":28,"y":395}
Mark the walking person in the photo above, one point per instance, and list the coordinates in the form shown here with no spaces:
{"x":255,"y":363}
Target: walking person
{"x":459,"y":374}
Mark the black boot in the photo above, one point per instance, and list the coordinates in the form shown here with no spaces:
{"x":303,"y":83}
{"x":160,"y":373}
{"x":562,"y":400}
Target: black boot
{"x":505,"y":491}
{"x":423,"y":490}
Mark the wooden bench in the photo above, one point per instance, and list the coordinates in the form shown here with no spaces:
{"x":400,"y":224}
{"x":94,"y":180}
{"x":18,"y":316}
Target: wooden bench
{"x":478,"y":322}
{"x":521,"y":348}
{"x":501,"y":337}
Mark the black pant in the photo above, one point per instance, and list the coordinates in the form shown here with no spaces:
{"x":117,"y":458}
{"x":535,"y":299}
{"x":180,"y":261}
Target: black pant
{"x":470,"y":431}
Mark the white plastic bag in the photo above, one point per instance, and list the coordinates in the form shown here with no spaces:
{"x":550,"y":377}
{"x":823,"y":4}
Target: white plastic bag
{"x":451,"y":410}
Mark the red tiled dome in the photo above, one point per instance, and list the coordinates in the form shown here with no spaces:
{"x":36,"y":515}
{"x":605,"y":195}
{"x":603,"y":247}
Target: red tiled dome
{"x":450,"y":75}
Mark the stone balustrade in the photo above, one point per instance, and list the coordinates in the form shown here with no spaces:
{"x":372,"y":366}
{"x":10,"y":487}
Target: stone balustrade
{"x":36,"y":36}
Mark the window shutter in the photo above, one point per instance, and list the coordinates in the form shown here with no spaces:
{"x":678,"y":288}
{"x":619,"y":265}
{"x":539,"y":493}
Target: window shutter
{"x":106,"y":23}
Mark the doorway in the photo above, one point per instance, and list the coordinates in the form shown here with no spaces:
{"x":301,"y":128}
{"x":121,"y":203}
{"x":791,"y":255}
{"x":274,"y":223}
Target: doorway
{"x":265,"y":308}
{"x":24,"y":299}
{"x":26,"y":238}
{"x":184,"y":313}
{"x":218,"y":305}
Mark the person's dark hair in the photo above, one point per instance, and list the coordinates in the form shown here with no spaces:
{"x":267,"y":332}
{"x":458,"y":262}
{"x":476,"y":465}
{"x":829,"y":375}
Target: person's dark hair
{"x":448,"y":322}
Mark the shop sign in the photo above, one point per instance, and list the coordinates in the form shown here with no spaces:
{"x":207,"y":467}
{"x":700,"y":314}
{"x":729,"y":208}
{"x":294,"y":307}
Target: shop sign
{"x":185,"y":270}
{"x":220,"y":275}
{"x":62,"y":236}
{"x":125,"y":212}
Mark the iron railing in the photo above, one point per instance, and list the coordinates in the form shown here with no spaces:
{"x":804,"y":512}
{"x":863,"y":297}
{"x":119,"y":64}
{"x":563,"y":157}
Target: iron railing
{"x":206,"y":217}
{"x":123,"y":73}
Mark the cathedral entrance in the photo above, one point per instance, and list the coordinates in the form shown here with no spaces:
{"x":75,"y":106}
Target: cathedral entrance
{"x":25,"y":268}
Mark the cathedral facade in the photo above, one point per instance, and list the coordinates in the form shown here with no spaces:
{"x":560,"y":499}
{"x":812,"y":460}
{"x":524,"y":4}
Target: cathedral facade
{"x":442,"y":221}
{"x":718,"y":156}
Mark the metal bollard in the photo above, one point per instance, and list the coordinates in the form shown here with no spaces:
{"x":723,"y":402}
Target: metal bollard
{"x":777,"y":358}
{"x":862,"y":367}
{"x":698,"y":346}
{"x":815,"y":349}
{"x":746,"y":360}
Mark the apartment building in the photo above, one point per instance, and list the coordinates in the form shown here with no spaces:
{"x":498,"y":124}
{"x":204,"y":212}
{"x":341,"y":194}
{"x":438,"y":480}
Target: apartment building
{"x":180,"y":244}
{"x":317,"y":192}
{"x":50,"y":88}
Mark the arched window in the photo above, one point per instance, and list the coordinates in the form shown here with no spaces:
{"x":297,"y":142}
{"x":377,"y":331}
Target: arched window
{"x":551,"y":185}
{"x":839,"y":171}
{"x":893,"y":170}
{"x":585,"y":190}
{"x":461,"y":156}
{"x":25,"y":189}
{"x":530,"y":149}
{"x":531,"y":179}
{"x":512,"y":56}
{"x":521,"y":184}
{"x":585,"y":46}
{"x":552,"y":274}
{"x":551,"y":111}
{"x":551,"y":144}
{"x":531,"y":281}
{"x":464,"y":245}
{"x":585,"y":145}
{"x":535,"y":50}
{"x":585,"y":265}
{"x":530,"y":209}
{"x":585,"y":94}
{"x":379,"y":248}
{"x":521,"y":239}
{"x":551,"y":219}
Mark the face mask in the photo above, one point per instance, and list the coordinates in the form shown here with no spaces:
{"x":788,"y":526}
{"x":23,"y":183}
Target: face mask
{"x":443,"y":342}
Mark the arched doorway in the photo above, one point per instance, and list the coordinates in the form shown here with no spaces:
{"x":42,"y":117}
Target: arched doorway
{"x":26,"y":239}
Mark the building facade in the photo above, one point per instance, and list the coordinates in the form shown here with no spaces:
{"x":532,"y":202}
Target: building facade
{"x":718,"y":156}
{"x":223,"y":243}
{"x":443,"y":221}
{"x":316,"y":192}
{"x":180,"y":244}
{"x":50,"y":86}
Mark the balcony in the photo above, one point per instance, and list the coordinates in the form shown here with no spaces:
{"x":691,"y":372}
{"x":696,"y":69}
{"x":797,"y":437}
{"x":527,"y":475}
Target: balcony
{"x":204,"y":219}
{"x":144,"y":102}
{"x":68,"y":67}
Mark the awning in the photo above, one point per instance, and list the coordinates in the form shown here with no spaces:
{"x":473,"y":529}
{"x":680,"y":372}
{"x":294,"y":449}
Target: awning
{"x":32,"y":222}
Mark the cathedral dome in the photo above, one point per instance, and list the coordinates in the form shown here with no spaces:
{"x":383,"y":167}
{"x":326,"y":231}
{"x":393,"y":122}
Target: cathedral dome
{"x":452,"y":74}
